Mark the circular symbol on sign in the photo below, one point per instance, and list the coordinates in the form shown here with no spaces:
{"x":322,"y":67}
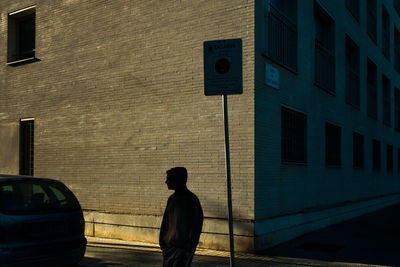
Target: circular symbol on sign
{"x":222,"y":66}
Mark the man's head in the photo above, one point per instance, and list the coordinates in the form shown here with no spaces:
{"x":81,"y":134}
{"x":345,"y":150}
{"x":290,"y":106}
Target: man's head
{"x":176,"y":178}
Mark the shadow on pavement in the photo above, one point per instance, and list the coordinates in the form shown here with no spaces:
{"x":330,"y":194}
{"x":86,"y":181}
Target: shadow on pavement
{"x":369,"y":239}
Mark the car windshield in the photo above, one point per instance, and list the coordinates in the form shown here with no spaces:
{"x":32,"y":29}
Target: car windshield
{"x":35,"y":196}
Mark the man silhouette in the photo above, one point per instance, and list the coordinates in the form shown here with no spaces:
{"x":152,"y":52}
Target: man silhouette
{"x":182,"y":221}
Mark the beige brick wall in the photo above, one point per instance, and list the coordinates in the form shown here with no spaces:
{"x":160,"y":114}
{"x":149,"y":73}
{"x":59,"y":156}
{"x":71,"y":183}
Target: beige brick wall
{"x":117,"y":98}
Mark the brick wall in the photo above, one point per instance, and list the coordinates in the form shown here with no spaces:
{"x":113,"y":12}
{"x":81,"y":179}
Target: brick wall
{"x":117,"y":98}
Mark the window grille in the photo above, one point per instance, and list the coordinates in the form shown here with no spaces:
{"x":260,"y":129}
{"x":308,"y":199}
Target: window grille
{"x":386,"y":100}
{"x":389,"y":158}
{"x":324,"y":51}
{"x":372,"y":20}
{"x":333,"y":145}
{"x":376,"y":155}
{"x":282,"y":32}
{"x":293,"y":136}
{"x":352,"y":74}
{"x":358,"y":150}
{"x":372,"y":91}
{"x":385,"y":33}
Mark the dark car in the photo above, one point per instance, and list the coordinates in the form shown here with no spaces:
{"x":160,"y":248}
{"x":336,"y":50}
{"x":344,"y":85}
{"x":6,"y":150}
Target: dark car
{"x":41,"y":223}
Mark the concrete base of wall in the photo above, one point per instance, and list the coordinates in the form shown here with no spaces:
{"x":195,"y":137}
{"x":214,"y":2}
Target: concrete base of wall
{"x":215,"y":234}
{"x":273,"y":231}
{"x":144,"y":228}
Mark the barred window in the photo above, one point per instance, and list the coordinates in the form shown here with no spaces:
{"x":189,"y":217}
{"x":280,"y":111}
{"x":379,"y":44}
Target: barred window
{"x":333,"y":135}
{"x":386,"y":100}
{"x":372,"y":20}
{"x":389,"y":158}
{"x":396,"y":49}
{"x":354,"y":7}
{"x":385,"y":33}
{"x":352,"y":73}
{"x":358,"y":150}
{"x":372,"y":91}
{"x":397,"y":109}
{"x":282,"y":32}
{"x":376,"y":155}
{"x":324,"y":50}
{"x":293,"y":136}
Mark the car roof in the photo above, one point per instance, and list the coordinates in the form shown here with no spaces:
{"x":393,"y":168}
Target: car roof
{"x":12,"y":177}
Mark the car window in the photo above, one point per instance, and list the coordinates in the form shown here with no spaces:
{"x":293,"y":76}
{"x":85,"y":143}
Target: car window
{"x":34,"y":196}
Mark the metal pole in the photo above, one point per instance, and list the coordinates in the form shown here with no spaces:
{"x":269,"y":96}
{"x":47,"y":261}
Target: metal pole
{"x":228,"y":179}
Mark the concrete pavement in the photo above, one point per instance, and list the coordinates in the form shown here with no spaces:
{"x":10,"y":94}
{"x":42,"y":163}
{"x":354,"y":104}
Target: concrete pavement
{"x":369,"y":240}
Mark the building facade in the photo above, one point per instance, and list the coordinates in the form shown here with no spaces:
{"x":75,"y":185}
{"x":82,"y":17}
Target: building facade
{"x":107,"y":95}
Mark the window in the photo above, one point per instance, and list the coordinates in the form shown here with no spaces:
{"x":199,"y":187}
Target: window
{"x":372,"y":20}
{"x":324,"y":50}
{"x":372,"y":91}
{"x":396,"y":5}
{"x":333,"y":145}
{"x":35,"y":196}
{"x":386,"y":100}
{"x":385,"y":33}
{"x":398,"y":160}
{"x":397,"y":109}
{"x":26,"y":131}
{"x":358,"y":150}
{"x":376,"y":155}
{"x":352,"y":73}
{"x":282,"y":32}
{"x":354,"y":7}
{"x":389,"y":158}
{"x":294,"y":136}
{"x":21,"y":35}
{"x":396,"y":50}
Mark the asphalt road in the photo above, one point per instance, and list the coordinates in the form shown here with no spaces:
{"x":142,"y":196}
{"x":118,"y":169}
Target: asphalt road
{"x":369,"y":240}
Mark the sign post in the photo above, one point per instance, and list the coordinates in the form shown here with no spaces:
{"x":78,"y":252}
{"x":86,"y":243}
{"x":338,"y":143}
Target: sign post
{"x":223,"y":76}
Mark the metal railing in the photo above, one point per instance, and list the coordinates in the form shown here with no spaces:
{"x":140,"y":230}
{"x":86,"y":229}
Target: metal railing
{"x":282,"y":38}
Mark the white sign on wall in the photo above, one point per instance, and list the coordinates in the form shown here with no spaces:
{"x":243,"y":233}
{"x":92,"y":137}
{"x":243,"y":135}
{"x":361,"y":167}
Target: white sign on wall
{"x":271,"y":76}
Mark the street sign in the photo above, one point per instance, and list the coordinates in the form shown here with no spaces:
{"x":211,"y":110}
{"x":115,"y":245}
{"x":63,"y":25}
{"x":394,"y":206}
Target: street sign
{"x":223,"y":67}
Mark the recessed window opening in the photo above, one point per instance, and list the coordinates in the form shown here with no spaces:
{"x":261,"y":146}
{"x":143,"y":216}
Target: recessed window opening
{"x":372,"y":90}
{"x":333,"y":136}
{"x":376,"y":155}
{"x":352,"y":73}
{"x":21,"y":35}
{"x":26,"y":146}
{"x":324,"y":50}
{"x":358,"y":150}
{"x":389,"y":158}
{"x":294,"y":136}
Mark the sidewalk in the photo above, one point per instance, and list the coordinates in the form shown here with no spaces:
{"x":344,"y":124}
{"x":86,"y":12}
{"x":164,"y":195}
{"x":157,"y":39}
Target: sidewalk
{"x":369,"y":240}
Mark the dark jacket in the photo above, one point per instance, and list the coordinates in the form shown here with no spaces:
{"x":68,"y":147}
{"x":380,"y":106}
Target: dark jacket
{"x":182,"y":222}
